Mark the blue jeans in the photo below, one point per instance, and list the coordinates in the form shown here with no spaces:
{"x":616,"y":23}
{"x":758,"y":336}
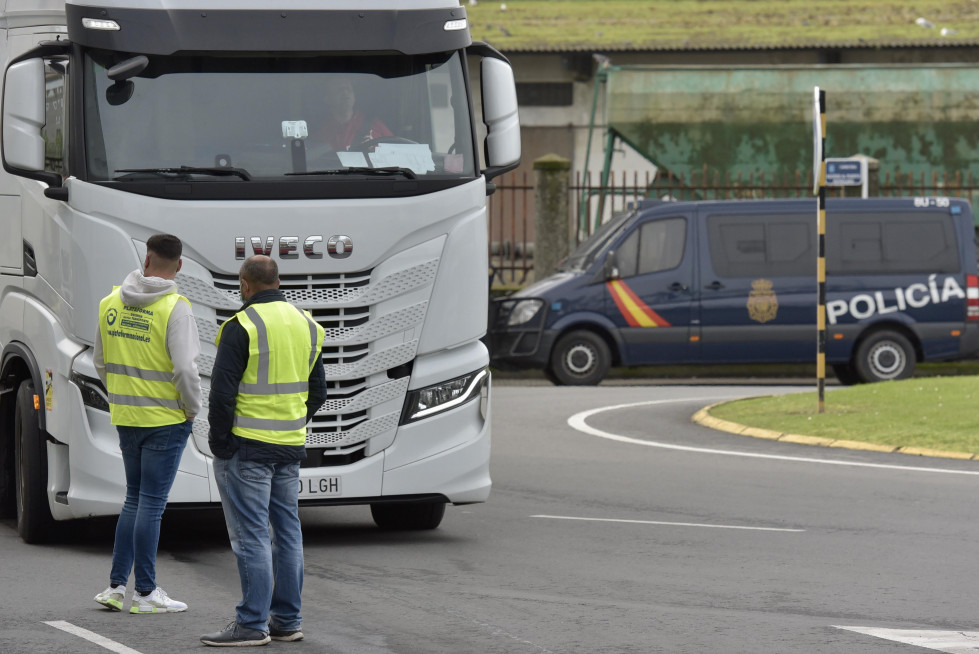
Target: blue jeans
{"x":261,"y":509}
{"x":151,"y":456}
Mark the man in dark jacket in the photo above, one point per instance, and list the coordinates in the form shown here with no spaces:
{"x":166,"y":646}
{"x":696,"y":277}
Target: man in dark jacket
{"x":267,"y":383}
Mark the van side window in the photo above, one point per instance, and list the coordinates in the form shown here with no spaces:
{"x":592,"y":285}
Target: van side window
{"x":907,"y":242}
{"x":656,"y":246}
{"x":762,"y":246}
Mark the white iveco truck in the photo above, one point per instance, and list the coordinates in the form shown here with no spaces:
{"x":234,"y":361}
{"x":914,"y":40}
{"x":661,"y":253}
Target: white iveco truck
{"x":211,"y":120}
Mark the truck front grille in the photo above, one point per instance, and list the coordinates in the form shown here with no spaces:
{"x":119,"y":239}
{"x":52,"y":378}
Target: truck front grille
{"x":372,"y":322}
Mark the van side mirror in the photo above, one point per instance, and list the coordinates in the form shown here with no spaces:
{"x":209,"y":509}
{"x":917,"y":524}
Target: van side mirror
{"x":611,"y":266}
{"x":499,"y":91}
{"x":23,"y":120}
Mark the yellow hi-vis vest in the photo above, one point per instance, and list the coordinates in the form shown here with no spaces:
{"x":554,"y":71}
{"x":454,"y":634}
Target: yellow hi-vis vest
{"x":284,"y":343}
{"x":139,"y":372}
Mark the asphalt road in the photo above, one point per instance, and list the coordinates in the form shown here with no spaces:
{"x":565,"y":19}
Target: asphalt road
{"x":623,"y":530}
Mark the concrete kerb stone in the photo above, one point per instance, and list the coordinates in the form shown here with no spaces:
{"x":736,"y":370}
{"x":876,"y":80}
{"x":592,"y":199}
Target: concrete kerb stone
{"x":703,"y":417}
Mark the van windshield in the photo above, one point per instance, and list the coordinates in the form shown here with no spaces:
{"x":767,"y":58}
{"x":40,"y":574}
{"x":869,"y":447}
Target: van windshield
{"x":239,"y":118}
{"x":585,"y":254}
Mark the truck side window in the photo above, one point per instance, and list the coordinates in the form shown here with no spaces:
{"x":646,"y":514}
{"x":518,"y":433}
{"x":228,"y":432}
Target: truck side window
{"x":55,"y":129}
{"x":656,"y":246}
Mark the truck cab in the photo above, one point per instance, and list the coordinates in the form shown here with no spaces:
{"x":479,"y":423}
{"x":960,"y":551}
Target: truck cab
{"x":217,"y":123}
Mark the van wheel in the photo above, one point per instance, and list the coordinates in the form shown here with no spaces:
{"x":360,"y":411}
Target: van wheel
{"x":846,"y":374}
{"x":408,"y":516}
{"x":34,"y":521}
{"x":581,"y":358}
{"x":884,"y":355}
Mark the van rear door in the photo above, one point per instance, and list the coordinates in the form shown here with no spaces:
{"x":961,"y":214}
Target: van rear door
{"x":650,"y":300}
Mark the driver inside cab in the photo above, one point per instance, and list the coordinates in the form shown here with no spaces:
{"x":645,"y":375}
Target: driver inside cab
{"x":345,"y":127}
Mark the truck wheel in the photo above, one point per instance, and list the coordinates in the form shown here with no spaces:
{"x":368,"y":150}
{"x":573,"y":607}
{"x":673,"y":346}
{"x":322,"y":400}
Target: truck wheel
{"x":846,"y":374}
{"x":884,"y":355}
{"x":581,"y":358}
{"x":34,"y":521}
{"x":8,"y":494}
{"x":408,"y":516}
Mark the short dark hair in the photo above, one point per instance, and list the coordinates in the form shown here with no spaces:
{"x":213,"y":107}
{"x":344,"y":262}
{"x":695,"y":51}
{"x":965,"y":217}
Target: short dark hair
{"x":165,"y":246}
{"x":260,"y":270}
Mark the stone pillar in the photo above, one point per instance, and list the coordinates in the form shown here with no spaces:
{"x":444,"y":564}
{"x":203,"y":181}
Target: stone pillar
{"x":551,"y":215}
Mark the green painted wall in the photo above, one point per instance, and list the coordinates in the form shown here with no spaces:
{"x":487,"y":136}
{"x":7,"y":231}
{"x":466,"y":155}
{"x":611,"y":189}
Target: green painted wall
{"x":914,"y":119}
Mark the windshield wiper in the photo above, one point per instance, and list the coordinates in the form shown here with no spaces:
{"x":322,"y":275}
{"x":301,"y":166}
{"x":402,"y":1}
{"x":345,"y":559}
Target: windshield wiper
{"x":217,"y":171}
{"x":363,"y":170}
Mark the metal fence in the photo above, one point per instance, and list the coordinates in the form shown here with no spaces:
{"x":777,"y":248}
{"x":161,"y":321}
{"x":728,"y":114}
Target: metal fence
{"x":511,"y":230}
{"x":511,"y":207}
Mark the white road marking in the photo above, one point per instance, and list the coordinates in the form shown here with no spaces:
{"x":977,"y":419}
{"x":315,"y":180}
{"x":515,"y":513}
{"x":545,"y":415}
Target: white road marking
{"x":668,"y":524}
{"x":92,"y":637}
{"x":499,"y":631}
{"x":578,"y":421}
{"x":953,"y":642}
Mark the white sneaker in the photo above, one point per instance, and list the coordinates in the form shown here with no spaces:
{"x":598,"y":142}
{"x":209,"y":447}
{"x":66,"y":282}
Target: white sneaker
{"x":112,"y":597}
{"x":156,"y":602}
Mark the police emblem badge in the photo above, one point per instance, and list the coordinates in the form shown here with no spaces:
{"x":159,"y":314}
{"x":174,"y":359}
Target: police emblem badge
{"x":762,"y":303}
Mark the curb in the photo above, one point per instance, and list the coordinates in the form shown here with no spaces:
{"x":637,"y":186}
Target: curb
{"x":704,"y":418}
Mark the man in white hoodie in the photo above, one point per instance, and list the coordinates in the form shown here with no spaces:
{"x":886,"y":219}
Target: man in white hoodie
{"x":146,"y":352}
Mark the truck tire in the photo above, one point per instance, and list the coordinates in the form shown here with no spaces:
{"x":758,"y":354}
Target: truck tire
{"x":580,"y":358}
{"x":883,"y":356}
{"x":408,"y":516}
{"x":34,"y":521}
{"x":8,"y":477}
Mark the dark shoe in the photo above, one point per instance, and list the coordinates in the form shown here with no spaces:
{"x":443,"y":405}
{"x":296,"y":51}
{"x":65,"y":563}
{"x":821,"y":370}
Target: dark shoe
{"x":234,"y":635}
{"x":288,"y":635}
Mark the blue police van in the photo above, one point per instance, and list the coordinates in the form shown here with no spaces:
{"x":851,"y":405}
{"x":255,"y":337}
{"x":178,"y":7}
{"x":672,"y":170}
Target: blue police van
{"x":735,"y":282}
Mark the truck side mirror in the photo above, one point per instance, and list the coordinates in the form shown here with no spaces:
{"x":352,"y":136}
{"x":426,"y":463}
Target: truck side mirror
{"x":611,"y":266}
{"x":23,"y":120}
{"x":500,"y":115}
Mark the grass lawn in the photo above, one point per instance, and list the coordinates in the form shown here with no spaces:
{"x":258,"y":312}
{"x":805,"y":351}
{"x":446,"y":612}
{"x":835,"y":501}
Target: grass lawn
{"x":939,"y":413}
{"x":536,"y":24}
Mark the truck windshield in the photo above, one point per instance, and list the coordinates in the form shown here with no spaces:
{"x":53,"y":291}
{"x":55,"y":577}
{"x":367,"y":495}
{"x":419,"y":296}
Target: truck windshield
{"x":241,"y":118}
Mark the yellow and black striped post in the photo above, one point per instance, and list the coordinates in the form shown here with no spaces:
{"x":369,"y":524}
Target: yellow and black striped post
{"x":819,"y":175}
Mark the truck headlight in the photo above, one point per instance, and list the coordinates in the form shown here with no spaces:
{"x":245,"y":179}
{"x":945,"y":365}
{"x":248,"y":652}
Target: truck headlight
{"x":431,"y":400}
{"x":94,"y":394}
{"x":523,"y":312}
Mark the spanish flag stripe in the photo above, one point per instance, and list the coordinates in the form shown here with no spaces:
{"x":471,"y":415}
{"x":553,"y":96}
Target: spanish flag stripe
{"x":641,"y":306}
{"x":624,"y":308}
{"x":634,"y":310}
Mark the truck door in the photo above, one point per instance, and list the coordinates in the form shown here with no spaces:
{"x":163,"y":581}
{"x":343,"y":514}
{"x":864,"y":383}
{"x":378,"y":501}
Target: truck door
{"x":758,"y":286}
{"x":650,"y":299}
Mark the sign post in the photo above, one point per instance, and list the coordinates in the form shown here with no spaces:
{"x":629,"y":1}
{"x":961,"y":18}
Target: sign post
{"x":819,"y":189}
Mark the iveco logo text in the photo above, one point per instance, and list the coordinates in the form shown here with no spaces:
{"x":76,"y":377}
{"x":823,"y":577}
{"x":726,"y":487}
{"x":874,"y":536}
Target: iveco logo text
{"x":338,"y":247}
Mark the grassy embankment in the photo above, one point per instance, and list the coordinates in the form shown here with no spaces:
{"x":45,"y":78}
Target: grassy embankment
{"x":617,"y":24}
{"x":935,"y":413}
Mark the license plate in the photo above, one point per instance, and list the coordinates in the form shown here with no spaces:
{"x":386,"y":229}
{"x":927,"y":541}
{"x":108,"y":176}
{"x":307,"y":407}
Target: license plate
{"x":310,"y":487}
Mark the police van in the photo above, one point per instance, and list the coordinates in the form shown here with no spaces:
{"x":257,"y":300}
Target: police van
{"x":735,"y":282}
